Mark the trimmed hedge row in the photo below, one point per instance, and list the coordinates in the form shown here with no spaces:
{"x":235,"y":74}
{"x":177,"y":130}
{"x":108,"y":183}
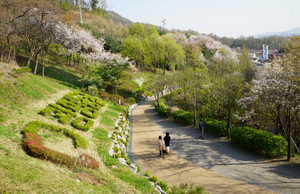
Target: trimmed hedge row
{"x":34,"y":127}
{"x":216,"y":127}
{"x":68,"y":105}
{"x":88,"y":123}
{"x":162,"y":110}
{"x":34,"y":145}
{"x":183,"y":117}
{"x":90,"y":112}
{"x":259,"y":141}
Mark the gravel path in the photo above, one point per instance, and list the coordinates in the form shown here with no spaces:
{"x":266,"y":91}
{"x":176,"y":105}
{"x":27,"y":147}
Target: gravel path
{"x":226,"y":159}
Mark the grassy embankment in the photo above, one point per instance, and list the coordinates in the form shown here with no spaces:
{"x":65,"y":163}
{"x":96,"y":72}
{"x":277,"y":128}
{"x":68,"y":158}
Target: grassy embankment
{"x":21,"y":99}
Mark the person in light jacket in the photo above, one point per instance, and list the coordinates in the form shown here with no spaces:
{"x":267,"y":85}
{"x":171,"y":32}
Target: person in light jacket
{"x":167,"y":140}
{"x":161,"y":146}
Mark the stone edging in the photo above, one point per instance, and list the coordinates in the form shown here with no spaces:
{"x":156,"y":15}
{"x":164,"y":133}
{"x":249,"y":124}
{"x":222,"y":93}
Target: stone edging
{"x":128,"y":151}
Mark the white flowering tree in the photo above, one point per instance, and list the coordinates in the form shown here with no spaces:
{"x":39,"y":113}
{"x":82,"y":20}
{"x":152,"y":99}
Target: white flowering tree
{"x":276,"y":93}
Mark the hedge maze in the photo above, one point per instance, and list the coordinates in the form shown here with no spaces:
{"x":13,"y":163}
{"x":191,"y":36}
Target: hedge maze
{"x":67,"y":110}
{"x":71,"y":105}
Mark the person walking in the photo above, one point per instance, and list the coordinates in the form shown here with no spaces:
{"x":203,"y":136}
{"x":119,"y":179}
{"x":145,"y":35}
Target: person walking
{"x":167,"y":140}
{"x":201,"y":129}
{"x":161,"y":146}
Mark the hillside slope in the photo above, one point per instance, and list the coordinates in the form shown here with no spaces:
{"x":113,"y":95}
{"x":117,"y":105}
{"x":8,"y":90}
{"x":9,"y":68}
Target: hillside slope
{"x":21,"y":100}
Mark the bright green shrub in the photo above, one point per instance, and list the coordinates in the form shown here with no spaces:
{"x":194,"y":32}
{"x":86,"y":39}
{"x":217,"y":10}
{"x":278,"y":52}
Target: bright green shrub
{"x":259,"y":141}
{"x":61,"y":109}
{"x":77,"y":139}
{"x":68,"y":105}
{"x":216,"y":127}
{"x":118,"y":155}
{"x":153,"y":179}
{"x":47,"y":111}
{"x":34,"y":127}
{"x":163,"y":185}
{"x":183,"y":117}
{"x":62,"y":118}
{"x":22,"y":70}
{"x":124,"y":142}
{"x":90,"y":112}
{"x":130,"y":100}
{"x":77,"y":123}
{"x":128,"y":161}
{"x":94,"y":105}
{"x":116,"y":149}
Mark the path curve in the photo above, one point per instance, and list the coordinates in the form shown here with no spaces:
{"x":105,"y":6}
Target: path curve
{"x":213,"y":163}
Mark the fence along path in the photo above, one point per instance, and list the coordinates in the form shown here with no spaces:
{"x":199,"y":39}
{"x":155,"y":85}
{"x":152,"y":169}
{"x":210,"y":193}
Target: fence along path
{"x":175,"y":169}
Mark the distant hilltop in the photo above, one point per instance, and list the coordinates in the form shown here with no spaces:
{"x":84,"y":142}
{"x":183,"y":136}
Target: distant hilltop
{"x":295,"y":31}
{"x":117,"y":18}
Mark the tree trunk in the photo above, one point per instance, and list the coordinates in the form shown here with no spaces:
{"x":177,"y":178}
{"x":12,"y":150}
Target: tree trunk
{"x":36,"y":62}
{"x":289,"y":138}
{"x":31,"y":56}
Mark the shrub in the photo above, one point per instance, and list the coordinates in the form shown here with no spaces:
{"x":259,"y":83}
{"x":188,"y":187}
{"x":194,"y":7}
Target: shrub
{"x":259,"y":141}
{"x":183,"y":117}
{"x":153,"y":179}
{"x":163,"y":185}
{"x":128,"y":161}
{"x":61,"y":109}
{"x":47,"y":111}
{"x":77,"y":139}
{"x":34,"y":126}
{"x":215,"y":126}
{"x":62,"y":118}
{"x":68,"y":105}
{"x":34,"y":145}
{"x":89,"y":112}
{"x":130,"y":100}
{"x":21,"y":70}
{"x":116,"y":149}
{"x":147,"y":173}
{"x":124,"y":142}
{"x":103,"y":95}
{"x":94,"y":105}
{"x":77,"y":123}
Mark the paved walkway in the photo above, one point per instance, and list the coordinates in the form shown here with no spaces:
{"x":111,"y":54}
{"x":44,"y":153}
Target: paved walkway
{"x":213,"y":163}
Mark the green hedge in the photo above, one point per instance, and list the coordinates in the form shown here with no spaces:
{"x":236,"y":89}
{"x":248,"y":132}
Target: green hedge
{"x":68,"y":105}
{"x":63,"y":110}
{"x":88,"y":123}
{"x":162,"y":109}
{"x":259,"y":141}
{"x":183,"y":117}
{"x":34,"y":127}
{"x":89,"y":112}
{"x":216,"y":127}
{"x":48,"y":110}
{"x":94,"y":105}
{"x":78,"y":140}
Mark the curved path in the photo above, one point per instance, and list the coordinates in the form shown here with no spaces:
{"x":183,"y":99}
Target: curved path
{"x":213,"y":163}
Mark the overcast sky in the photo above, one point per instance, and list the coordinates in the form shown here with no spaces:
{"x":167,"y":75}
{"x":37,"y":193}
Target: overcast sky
{"x":231,"y":18}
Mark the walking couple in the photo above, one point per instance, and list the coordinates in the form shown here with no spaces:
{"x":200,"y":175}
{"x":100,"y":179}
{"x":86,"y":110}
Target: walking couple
{"x":164,"y":145}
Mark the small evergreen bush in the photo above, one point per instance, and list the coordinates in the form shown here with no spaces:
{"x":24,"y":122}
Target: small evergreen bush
{"x":77,"y":123}
{"x":90,"y":112}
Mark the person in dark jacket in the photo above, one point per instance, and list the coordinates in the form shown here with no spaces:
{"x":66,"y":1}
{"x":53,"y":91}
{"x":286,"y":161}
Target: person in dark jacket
{"x":201,"y":129}
{"x":167,"y":140}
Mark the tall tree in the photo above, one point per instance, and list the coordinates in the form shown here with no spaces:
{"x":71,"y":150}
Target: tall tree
{"x":173,"y":52}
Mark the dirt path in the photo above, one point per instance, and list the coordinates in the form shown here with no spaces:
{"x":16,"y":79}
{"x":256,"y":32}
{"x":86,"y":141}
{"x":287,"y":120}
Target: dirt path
{"x":213,"y":163}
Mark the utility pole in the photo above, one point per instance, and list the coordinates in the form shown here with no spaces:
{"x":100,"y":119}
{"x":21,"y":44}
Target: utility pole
{"x":80,"y":11}
{"x":164,"y":23}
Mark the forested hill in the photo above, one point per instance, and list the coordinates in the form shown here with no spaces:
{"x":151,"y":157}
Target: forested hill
{"x":118,"y":18}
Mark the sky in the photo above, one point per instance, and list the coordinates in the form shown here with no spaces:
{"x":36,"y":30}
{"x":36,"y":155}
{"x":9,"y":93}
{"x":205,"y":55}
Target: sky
{"x":230,"y":18}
